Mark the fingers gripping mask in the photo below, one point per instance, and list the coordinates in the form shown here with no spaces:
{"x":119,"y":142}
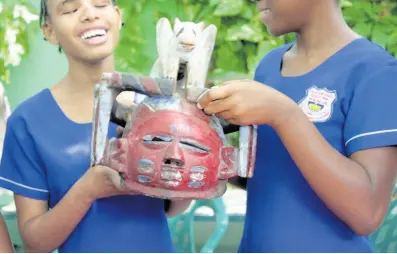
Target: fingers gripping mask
{"x":169,"y":148}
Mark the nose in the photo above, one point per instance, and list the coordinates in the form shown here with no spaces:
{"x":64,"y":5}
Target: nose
{"x":174,"y":155}
{"x":261,"y":5}
{"x":88,"y":13}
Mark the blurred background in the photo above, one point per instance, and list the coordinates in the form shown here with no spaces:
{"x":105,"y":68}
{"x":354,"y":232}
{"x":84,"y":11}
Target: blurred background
{"x":29,"y":64}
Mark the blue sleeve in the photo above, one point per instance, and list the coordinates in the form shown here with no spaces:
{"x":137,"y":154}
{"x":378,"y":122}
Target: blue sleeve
{"x":371,"y":120}
{"x":20,"y":170}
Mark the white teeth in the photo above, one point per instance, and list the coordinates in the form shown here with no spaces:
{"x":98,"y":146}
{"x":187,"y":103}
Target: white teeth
{"x":92,"y":33}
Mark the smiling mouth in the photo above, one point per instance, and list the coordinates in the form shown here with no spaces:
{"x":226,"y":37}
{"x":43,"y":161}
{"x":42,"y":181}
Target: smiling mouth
{"x":265,"y":11}
{"x":93,"y":34}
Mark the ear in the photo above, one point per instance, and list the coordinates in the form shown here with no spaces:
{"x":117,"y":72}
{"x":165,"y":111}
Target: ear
{"x":228,"y":166}
{"x":201,"y":26}
{"x":120,"y":14}
{"x":49,"y":33}
{"x":177,"y":25}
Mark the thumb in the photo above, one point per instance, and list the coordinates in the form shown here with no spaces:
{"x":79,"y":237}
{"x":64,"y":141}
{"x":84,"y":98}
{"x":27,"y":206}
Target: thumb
{"x":119,"y":131}
{"x":114,"y":177}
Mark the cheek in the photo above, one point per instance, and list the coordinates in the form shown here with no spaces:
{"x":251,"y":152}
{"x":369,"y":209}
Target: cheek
{"x":210,"y":162}
{"x":116,"y":32}
{"x":139,"y":151}
{"x":64,"y":33}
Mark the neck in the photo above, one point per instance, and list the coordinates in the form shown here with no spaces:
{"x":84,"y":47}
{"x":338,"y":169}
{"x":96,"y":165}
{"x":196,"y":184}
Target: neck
{"x":83,"y":76}
{"x":326,"y":33}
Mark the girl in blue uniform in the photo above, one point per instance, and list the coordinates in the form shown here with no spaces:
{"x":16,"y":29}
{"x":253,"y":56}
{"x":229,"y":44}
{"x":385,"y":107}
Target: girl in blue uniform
{"x":327,"y":157}
{"x":61,"y":202}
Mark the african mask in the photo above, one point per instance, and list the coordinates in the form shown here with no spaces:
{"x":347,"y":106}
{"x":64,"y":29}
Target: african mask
{"x":169,"y":148}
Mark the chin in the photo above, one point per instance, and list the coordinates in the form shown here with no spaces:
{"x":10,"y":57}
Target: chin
{"x":97,"y":58}
{"x":94,"y":56}
{"x":275,"y":31}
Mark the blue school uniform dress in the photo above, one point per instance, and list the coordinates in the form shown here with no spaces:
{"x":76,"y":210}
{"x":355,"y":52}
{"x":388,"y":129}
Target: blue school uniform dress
{"x":351,"y":98}
{"x":45,"y":153}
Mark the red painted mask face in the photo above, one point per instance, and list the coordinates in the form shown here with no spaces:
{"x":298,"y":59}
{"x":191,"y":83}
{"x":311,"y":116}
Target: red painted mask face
{"x":174,"y":147}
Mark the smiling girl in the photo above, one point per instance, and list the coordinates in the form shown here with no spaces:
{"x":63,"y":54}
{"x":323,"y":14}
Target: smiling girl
{"x":61,"y":202}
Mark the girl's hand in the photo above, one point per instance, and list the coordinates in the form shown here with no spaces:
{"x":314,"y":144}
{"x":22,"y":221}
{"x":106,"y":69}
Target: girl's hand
{"x":101,"y":182}
{"x":247,"y":102}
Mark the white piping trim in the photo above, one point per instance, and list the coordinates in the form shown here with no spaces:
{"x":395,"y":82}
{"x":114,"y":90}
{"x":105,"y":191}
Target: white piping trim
{"x":22,"y":185}
{"x":369,"y":134}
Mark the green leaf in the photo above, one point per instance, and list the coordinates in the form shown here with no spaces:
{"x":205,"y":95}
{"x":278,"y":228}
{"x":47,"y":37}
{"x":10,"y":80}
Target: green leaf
{"x":247,"y":32}
{"x":379,"y":36}
{"x":261,"y":50}
{"x":346,"y":3}
{"x":247,"y":12}
{"x":229,"y":7}
{"x":229,"y":75}
{"x":364,"y":29}
{"x":392,"y":41}
{"x":229,"y":58}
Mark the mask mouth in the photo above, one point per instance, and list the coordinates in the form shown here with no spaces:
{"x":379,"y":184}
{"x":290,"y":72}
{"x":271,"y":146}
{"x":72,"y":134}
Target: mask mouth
{"x":187,"y":47}
{"x":122,"y":179}
{"x":171,"y":176}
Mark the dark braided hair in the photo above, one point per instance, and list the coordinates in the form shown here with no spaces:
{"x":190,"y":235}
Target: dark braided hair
{"x":44,"y":15}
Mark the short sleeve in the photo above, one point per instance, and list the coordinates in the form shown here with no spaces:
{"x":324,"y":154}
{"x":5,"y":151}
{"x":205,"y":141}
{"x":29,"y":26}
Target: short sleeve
{"x":371,"y":119}
{"x":20,"y":170}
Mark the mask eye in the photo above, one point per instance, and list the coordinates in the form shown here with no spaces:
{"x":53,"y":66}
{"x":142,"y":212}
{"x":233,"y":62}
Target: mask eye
{"x":180,"y":31}
{"x":195,"y":146}
{"x":149,"y":139}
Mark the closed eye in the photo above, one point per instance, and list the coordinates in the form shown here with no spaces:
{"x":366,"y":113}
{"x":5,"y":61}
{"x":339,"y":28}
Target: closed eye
{"x":70,"y":12}
{"x":102,"y":3}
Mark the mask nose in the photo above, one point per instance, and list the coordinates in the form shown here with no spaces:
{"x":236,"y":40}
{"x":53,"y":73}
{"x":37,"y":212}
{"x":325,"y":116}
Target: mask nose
{"x":174,"y":155}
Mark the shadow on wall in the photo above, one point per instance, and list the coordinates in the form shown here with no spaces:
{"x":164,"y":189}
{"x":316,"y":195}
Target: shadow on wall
{"x":40,"y":69}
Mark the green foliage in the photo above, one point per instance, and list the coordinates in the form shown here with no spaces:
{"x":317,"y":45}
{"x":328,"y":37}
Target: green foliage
{"x":16,"y":22}
{"x":242,"y":39}
{"x":376,"y":21}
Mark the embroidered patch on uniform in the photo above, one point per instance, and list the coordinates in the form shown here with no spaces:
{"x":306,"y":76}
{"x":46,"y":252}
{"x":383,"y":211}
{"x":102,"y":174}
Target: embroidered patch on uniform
{"x":318,"y":104}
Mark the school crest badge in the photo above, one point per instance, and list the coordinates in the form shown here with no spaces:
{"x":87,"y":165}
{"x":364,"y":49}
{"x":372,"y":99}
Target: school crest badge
{"x":318,"y":104}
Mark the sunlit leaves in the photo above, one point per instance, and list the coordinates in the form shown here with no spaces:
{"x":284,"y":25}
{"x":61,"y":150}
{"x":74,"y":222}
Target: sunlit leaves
{"x":17,"y":19}
{"x":229,"y":8}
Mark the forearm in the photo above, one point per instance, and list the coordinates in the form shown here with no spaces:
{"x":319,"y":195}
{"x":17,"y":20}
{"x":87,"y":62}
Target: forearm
{"x":343,"y":185}
{"x":5,"y":240}
{"x":47,"y":232}
{"x":177,"y":207}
